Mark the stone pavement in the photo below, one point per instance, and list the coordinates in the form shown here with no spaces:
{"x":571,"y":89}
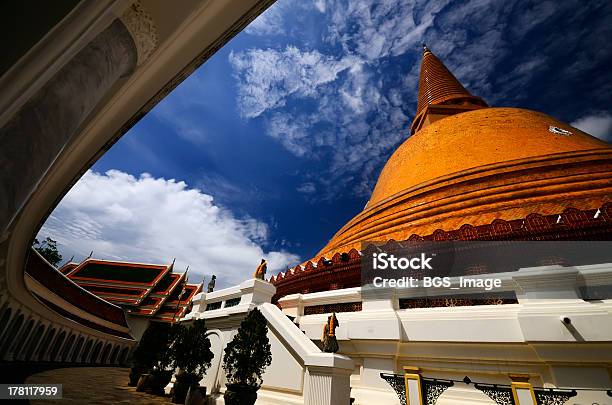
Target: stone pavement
{"x":93,"y":385}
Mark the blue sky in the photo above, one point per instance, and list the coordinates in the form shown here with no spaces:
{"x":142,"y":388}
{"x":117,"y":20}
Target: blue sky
{"x":277,"y":141}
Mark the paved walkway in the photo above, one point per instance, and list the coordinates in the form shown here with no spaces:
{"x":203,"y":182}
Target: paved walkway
{"x":93,"y":385}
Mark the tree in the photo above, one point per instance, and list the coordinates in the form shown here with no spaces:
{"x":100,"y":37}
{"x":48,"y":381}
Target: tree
{"x":248,"y":354}
{"x":153,"y":351}
{"x":48,"y":249}
{"x":192,"y":356}
{"x":191,"y":348}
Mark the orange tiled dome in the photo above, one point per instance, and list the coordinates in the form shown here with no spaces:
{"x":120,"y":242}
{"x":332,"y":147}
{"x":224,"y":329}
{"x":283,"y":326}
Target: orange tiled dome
{"x":475,"y":139}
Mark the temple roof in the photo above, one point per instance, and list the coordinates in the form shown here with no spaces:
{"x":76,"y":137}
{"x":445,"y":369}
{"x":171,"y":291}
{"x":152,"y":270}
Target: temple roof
{"x":141,"y":289}
{"x":67,"y":267}
{"x":178,"y":304}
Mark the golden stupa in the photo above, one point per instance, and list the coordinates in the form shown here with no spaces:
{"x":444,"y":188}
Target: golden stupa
{"x":467,"y":163}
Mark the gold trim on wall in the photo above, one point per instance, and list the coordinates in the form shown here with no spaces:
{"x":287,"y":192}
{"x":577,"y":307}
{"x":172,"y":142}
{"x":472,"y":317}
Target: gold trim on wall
{"x":413,"y":373}
{"x":522,"y":385}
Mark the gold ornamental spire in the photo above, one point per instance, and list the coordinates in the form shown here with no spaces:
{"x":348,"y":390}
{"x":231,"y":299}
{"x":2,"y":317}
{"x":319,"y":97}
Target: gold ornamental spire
{"x":438,"y":86}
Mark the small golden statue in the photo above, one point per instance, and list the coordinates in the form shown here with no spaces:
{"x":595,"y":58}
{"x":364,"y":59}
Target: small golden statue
{"x":330,"y":343}
{"x":260,"y":273}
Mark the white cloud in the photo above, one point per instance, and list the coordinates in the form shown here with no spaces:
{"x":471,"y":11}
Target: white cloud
{"x":376,"y":29}
{"x":270,"y":22}
{"x":357,"y":91}
{"x":307,"y":188}
{"x":291,"y":132}
{"x":598,"y":125}
{"x":268,"y":76}
{"x":122,"y":217}
{"x":320,"y":5}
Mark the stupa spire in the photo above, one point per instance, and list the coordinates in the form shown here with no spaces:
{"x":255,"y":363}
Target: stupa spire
{"x":437,"y":87}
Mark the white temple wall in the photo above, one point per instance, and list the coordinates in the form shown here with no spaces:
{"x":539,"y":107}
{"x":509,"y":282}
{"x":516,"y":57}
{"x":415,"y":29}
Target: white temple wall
{"x":138,"y":325}
{"x":485,"y":342}
{"x":212,"y":378}
{"x":460,"y":395}
{"x":299,"y":374}
{"x":285,"y":373}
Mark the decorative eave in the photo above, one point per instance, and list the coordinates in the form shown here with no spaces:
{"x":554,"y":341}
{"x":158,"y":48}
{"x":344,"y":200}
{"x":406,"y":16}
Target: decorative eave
{"x":159,"y":297}
{"x":344,"y":269}
{"x":173,"y":310}
{"x":67,"y":267}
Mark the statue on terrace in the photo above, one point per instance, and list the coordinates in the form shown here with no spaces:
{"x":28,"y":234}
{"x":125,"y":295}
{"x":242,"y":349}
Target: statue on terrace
{"x":330,"y":343}
{"x":260,"y":273}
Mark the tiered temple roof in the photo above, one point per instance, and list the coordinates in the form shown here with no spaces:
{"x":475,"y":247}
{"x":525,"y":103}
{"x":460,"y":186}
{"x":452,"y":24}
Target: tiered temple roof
{"x":148,"y":290}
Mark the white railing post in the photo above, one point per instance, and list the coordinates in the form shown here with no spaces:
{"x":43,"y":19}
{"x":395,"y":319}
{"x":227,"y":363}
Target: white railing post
{"x":327,"y":385}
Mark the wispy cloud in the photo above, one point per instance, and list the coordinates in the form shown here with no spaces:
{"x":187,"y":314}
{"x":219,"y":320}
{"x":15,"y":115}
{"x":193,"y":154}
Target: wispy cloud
{"x":269,"y":76}
{"x":119,"y":216}
{"x":598,"y":125}
{"x":227,"y":191}
{"x":307,"y":188}
{"x":378,"y":29}
{"x":175,"y":111}
{"x":270,"y":22}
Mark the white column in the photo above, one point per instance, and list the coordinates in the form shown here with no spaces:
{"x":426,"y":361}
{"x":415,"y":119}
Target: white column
{"x":27,"y":340}
{"x":18,"y":339}
{"x":6,"y":326}
{"x":58,"y":354}
{"x":79,"y":358}
{"x":47,"y":354}
{"x":293,"y":305}
{"x":73,"y":348}
{"x":39,"y":342}
{"x":327,"y":386}
{"x":47,"y":122}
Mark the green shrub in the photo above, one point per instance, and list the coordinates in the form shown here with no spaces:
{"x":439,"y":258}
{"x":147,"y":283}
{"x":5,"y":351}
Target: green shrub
{"x":248,"y":354}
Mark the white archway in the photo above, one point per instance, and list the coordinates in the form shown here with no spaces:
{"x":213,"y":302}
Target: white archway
{"x":211,"y":378}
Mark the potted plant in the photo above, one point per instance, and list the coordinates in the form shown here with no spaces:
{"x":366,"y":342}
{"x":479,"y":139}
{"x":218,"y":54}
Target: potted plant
{"x":161,"y":374}
{"x":153,"y":341}
{"x":192,"y":356}
{"x":152,"y":359}
{"x":246,"y":358}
